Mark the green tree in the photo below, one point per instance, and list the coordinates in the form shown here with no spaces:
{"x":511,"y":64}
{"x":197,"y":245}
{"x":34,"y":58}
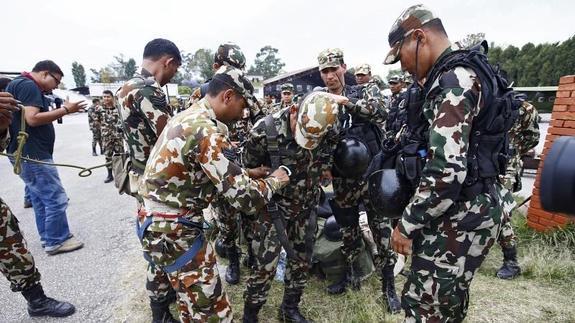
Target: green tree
{"x":201,"y":63}
{"x":130,"y":68}
{"x":103,"y":75}
{"x":267,"y":63}
{"x":79,"y":74}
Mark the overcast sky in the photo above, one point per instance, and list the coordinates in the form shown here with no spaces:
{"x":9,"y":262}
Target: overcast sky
{"x":92,"y":32}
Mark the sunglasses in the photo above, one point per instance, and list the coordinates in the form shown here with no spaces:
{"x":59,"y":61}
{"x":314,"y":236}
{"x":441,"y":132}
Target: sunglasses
{"x":55,"y":79}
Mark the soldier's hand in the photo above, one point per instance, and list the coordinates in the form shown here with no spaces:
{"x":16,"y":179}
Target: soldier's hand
{"x":74,"y":106}
{"x":7,"y":105}
{"x":259,"y":172}
{"x":400,"y":243}
{"x":281,"y":175}
{"x":339,"y":99}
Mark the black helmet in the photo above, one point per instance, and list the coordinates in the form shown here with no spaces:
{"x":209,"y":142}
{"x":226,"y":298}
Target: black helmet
{"x":331,"y":229}
{"x":351,"y":157}
{"x":220,"y":249}
{"x":389,"y":193}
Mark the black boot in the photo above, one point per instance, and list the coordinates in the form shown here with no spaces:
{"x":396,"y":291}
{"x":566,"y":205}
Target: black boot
{"x":233,"y":270}
{"x":289,"y":309}
{"x":510,"y":268}
{"x":161,"y":312}
{"x":94,"y":150}
{"x":250,"y":260}
{"x":390,"y":298}
{"x":41,"y":305}
{"x":251,"y":312}
{"x":110,"y":177}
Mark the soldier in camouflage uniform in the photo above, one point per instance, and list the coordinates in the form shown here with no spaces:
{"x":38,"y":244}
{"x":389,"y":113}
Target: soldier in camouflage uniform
{"x":269,"y":102}
{"x":523,"y":137}
{"x":308,"y":161}
{"x":185,"y":172}
{"x":95,"y":123}
{"x":145,"y":112}
{"x":457,"y":211}
{"x":351,"y":192}
{"x":111,"y":134}
{"x":397,"y":115}
{"x":16,"y":262}
{"x":287,"y":92}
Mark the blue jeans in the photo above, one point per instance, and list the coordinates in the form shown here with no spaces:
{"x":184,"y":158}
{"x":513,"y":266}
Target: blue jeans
{"x":49,"y":201}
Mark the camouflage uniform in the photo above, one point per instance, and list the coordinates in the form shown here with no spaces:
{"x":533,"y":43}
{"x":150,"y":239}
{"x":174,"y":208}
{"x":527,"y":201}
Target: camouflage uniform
{"x":185,"y":172}
{"x":349,"y":193}
{"x":95,"y":123}
{"x":144,"y":111}
{"x":451,"y":234}
{"x":295,"y":202}
{"x":523,"y":137}
{"x":16,"y":262}
{"x":111,"y":134}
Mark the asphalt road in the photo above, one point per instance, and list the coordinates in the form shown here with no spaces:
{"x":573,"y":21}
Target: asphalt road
{"x":105,"y":279}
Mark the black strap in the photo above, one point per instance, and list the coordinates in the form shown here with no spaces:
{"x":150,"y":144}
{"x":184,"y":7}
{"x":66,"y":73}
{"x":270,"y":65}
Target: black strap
{"x":277,"y":218}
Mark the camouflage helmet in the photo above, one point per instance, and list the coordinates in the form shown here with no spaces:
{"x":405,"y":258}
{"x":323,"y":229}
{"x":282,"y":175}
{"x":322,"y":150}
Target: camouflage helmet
{"x":412,"y":18}
{"x":317,"y":114}
{"x":287,"y":87}
{"x":364,"y":69}
{"x":236,"y":79}
{"x":230,"y":54}
{"x":331,"y":57}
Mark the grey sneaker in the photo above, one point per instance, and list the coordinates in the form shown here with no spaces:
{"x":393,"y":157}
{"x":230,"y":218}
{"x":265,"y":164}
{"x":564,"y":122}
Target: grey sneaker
{"x":69,"y":245}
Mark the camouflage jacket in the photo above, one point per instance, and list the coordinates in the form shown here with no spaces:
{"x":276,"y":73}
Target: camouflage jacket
{"x":450,"y":115}
{"x":111,"y":123}
{"x":371,"y":103}
{"x":240,"y":129}
{"x":267,"y":108}
{"x":396,"y":115}
{"x":277,"y":107}
{"x":145,"y":112}
{"x":525,"y":133}
{"x":95,"y":117}
{"x":306,"y":165}
{"x":187,"y":167}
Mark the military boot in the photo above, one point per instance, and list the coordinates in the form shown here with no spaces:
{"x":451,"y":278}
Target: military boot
{"x":289,"y":309}
{"x":110,"y":177}
{"x":390,"y":298}
{"x":41,"y":305}
{"x":340,"y":286}
{"x":161,"y":312}
{"x":510,"y":268}
{"x":233,"y":270}
{"x":251,"y":312}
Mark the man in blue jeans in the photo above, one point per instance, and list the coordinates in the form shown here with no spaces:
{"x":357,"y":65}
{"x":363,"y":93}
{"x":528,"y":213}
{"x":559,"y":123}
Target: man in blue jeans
{"x":46,"y":192}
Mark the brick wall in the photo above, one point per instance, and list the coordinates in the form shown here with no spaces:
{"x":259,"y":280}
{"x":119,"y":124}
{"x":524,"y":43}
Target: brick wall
{"x":562,"y":124}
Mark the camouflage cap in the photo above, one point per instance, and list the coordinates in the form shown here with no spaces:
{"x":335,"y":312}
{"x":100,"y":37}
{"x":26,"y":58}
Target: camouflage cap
{"x":412,"y":18}
{"x":230,"y":54}
{"x":236,"y":79}
{"x":317,"y":114}
{"x":287,"y":87}
{"x":395,"y":79}
{"x":363,"y":69}
{"x":331,"y":57}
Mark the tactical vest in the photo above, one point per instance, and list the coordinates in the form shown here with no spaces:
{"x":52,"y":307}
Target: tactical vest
{"x":487,"y":153}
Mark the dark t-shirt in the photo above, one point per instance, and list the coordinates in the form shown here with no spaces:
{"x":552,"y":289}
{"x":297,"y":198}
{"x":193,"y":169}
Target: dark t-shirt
{"x":40,"y":143}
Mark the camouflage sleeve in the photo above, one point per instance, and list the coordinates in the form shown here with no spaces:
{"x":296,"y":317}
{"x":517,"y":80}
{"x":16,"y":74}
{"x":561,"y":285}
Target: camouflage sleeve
{"x":255,"y":153}
{"x":236,"y":187}
{"x":445,"y":169}
{"x":328,"y":147}
{"x":529,"y":129}
{"x":371,"y":105}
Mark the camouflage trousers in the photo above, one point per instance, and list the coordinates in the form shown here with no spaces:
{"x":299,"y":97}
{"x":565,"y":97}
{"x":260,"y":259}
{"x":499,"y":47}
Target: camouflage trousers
{"x":350,"y":193}
{"x":227,"y":222}
{"x":446,"y":255}
{"x":507,"y":237}
{"x":112,"y":145}
{"x":199,"y":289}
{"x":16,"y":262}
{"x":267,"y":248}
{"x":96,"y":137}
